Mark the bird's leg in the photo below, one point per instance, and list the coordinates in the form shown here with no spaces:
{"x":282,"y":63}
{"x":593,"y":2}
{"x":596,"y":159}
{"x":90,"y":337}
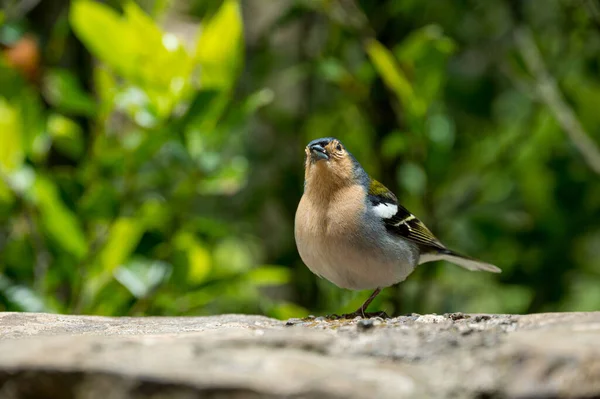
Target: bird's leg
{"x":361,"y":311}
{"x":368,"y":302}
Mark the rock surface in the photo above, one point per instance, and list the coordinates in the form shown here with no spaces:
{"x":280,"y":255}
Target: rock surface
{"x":236,"y":356}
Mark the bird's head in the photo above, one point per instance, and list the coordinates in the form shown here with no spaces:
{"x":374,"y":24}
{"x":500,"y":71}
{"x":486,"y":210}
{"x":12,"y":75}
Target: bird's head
{"x":328,"y":164}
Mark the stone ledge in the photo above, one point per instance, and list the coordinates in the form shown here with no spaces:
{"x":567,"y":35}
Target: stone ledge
{"x":231,"y":356}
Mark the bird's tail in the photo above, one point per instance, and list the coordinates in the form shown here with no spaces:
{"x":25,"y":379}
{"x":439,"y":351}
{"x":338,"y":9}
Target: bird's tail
{"x":460,"y":260}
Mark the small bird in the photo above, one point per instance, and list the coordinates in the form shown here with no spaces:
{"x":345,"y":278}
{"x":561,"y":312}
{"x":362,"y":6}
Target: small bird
{"x":351,"y":230}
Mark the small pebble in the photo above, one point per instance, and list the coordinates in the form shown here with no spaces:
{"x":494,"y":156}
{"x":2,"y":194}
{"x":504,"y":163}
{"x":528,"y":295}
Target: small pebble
{"x":457,"y":316}
{"x":465,"y":330}
{"x":430,"y":319}
{"x":364,"y":325}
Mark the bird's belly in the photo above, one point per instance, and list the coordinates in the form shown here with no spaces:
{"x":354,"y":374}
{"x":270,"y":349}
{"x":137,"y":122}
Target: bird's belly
{"x":341,"y":244}
{"x":353,"y":266}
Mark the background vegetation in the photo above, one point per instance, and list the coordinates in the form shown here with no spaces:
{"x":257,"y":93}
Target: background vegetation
{"x":150,"y":166}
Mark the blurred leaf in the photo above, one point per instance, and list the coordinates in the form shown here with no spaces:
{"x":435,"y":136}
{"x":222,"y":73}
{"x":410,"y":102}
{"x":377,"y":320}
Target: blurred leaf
{"x":6,"y":195}
{"x":135,"y":47}
{"x":138,"y":105}
{"x":162,"y":60}
{"x":394,"y":145}
{"x":123,"y":236}
{"x":141,"y":23}
{"x":220,"y":46}
{"x":441,"y":130}
{"x":257,"y":100}
{"x":333,"y":70}
{"x":203,"y":114}
{"x":269,"y":275}
{"x":228,"y":180}
{"x":154,"y":213}
{"x":413,"y":178}
{"x":62,"y":90}
{"x":66,"y":135}
{"x":394,"y":77}
{"x":205,"y":8}
{"x":425,"y":52}
{"x":57,"y":219}
{"x":11,"y":150}
{"x":116,"y":45}
{"x":105,"y":86}
{"x":99,"y":201}
{"x":198,"y":257}
{"x":23,"y":298}
{"x":22,"y":180}
{"x":141,"y":276}
{"x":24,"y":99}
{"x":287,"y":310}
{"x":232,"y":256}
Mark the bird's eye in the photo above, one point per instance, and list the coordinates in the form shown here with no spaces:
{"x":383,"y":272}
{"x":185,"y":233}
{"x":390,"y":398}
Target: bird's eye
{"x":338,"y":147}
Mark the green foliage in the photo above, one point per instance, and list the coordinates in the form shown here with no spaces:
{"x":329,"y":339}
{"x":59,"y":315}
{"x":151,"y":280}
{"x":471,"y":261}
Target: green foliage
{"x":219,"y":48}
{"x":98,"y":205}
{"x":150,"y":171}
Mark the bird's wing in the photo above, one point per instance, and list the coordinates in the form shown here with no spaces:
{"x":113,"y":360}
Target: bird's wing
{"x":399,"y":221}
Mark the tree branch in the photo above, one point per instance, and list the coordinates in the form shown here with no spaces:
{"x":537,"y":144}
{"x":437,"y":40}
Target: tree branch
{"x":550,"y":94}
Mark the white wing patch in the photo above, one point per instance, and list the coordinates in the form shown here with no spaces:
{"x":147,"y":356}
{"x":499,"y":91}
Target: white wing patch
{"x":385,"y":211}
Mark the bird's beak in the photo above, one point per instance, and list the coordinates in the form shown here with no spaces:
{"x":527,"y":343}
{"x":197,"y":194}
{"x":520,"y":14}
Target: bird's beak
{"x":317,"y":153}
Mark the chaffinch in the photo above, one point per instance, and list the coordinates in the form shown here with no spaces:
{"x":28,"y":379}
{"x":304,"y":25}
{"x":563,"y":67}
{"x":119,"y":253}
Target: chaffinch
{"x":351,"y":230}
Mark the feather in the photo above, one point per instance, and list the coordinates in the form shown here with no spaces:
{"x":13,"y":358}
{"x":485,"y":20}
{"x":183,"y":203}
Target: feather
{"x":385,"y":210}
{"x":460,"y":260}
{"x":401,"y":223}
{"x":404,"y":224}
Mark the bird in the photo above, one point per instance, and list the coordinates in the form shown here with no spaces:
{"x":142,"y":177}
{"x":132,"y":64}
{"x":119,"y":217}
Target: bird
{"x":351,"y":230}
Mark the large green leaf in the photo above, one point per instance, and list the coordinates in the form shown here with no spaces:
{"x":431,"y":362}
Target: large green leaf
{"x":116,"y":44}
{"x":220,"y":47}
{"x":135,"y":48}
{"x":161,"y":61}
